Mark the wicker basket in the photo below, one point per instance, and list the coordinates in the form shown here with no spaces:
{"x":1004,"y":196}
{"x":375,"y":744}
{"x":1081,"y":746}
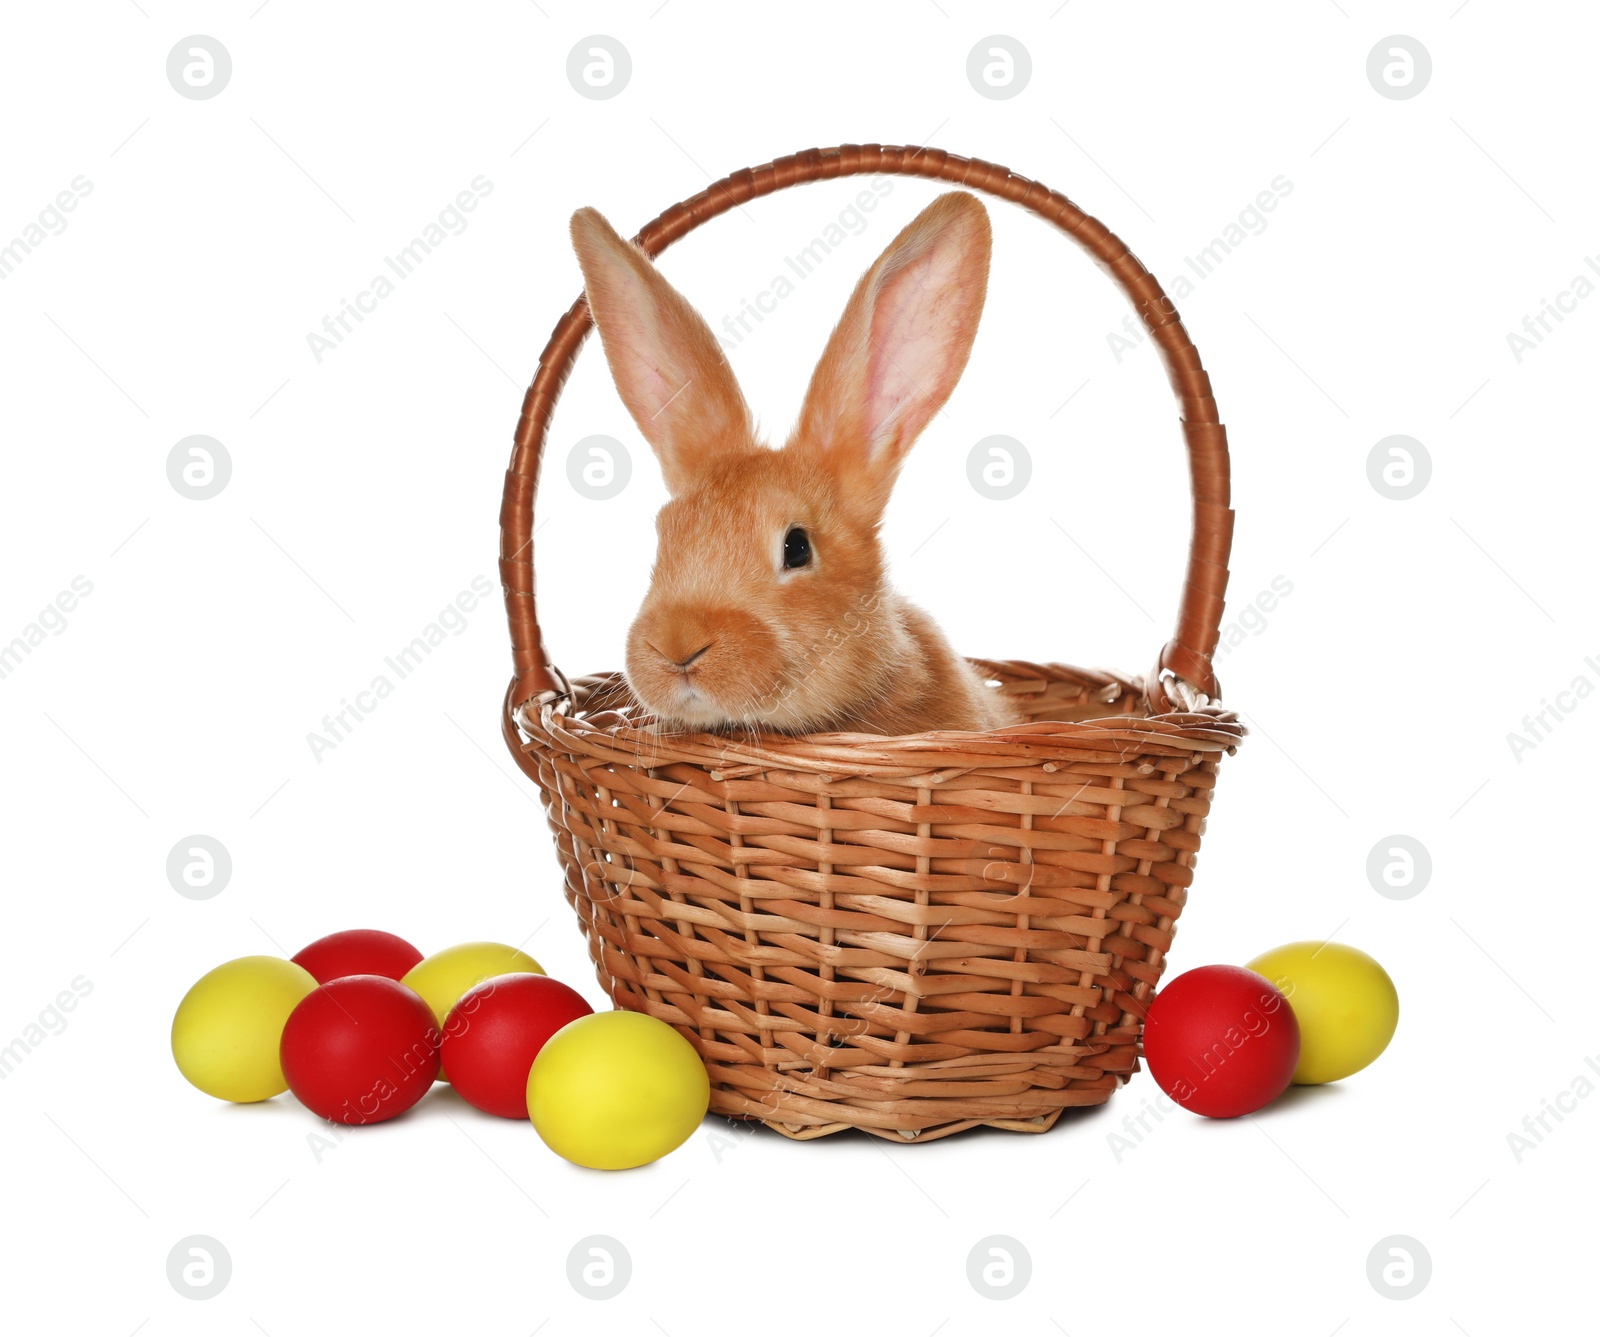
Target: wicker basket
{"x":907,"y":935}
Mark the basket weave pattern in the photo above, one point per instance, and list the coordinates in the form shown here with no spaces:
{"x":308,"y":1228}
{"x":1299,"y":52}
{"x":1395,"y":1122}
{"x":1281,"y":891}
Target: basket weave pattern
{"x":907,"y":935}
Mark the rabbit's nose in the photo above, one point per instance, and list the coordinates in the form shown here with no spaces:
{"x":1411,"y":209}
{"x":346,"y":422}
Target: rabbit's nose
{"x":681,"y":663}
{"x":684,"y":663}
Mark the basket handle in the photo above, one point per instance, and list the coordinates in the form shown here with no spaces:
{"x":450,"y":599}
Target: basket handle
{"x":1186,"y":657}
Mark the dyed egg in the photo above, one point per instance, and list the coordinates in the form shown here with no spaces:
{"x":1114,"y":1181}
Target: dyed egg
{"x":358,"y":951}
{"x":442,"y":978}
{"x":617,"y":1089}
{"x":1221,"y":1041}
{"x":1345,"y":1002}
{"x":360,"y":1049}
{"x":225,"y":1033}
{"x":495,"y":1032}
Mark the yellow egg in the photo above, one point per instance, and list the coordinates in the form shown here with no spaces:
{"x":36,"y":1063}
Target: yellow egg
{"x":442,"y":978}
{"x":617,"y":1089}
{"x":1343,"y":1000}
{"x":225,"y":1033}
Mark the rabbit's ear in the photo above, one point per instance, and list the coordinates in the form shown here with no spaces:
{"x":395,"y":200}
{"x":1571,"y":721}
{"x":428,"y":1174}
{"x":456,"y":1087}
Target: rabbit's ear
{"x":900,"y":347}
{"x":671,"y":374}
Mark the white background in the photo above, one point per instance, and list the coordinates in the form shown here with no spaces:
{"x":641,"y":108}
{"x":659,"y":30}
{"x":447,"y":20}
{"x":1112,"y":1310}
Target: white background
{"x":364,"y":494}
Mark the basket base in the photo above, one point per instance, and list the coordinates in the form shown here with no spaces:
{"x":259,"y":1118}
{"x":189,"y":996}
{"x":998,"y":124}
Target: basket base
{"x":797,"y":1128}
{"x":801,"y":1133}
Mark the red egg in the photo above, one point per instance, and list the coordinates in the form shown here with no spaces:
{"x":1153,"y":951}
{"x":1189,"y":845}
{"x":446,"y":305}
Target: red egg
{"x":360,"y":1049}
{"x":357,"y":951}
{"x":496,"y":1030}
{"x":1221,"y":1041}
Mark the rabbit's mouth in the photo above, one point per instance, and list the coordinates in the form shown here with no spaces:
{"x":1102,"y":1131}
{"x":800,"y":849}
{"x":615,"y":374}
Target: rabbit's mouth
{"x":679,"y":697}
{"x":703,"y":669}
{"x":685,"y":705}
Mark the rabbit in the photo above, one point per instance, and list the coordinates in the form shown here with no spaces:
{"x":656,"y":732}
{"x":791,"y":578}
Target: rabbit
{"x":769,"y":607}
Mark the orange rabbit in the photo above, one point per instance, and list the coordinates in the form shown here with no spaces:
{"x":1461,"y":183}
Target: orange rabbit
{"x":769,"y":607}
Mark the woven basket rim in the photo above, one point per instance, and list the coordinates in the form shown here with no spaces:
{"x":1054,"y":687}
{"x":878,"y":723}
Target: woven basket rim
{"x":1109,"y":739}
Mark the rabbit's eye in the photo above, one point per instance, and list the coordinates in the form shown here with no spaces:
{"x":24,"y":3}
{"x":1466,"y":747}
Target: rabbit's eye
{"x":796,"y":548}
